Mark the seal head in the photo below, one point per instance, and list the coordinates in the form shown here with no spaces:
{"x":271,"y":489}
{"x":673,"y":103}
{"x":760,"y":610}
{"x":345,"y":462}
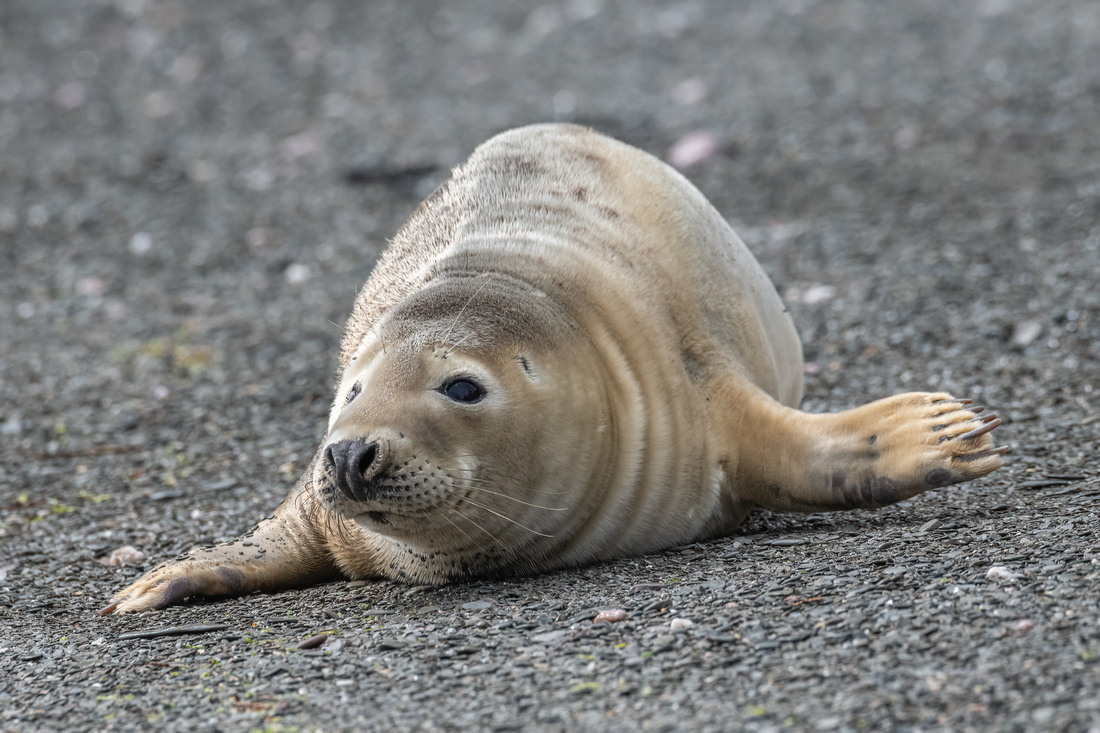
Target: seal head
{"x":452,"y":420}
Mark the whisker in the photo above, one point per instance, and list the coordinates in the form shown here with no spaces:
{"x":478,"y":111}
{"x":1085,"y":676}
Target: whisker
{"x":378,"y":333}
{"x":456,"y":343}
{"x":471,"y":539}
{"x":507,"y":519}
{"x":521,"y":501}
{"x":463,"y":310}
{"x":466,"y":475}
{"x":471,"y":521}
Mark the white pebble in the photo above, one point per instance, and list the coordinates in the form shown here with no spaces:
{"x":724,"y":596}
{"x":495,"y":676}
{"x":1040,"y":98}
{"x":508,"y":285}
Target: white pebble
{"x":297,"y":273}
{"x":141,"y":243}
{"x":1000,"y":572}
{"x":680,"y":624}
{"x":1025,"y":332}
{"x":818,"y":294}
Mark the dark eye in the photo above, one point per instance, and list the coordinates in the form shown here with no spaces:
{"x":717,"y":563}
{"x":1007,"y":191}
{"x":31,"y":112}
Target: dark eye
{"x":463,"y":390}
{"x":352,"y":394}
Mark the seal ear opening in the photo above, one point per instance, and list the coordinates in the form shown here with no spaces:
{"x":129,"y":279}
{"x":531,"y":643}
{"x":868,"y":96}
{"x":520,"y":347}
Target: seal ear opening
{"x":523,"y":362}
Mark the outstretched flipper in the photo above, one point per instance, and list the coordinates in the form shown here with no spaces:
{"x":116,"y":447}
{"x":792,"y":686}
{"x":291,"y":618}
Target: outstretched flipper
{"x":879,"y":454}
{"x":286,"y":550}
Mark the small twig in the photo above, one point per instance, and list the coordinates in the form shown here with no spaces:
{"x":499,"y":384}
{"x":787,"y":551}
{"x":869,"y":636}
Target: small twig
{"x":174,"y":631}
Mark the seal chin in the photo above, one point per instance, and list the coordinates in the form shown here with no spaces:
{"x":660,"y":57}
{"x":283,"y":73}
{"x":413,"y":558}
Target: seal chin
{"x":384,"y":520}
{"x":383,"y":510}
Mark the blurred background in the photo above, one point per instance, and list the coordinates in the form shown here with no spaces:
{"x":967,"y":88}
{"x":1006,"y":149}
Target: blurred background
{"x":191,"y":193}
{"x":905,"y":171}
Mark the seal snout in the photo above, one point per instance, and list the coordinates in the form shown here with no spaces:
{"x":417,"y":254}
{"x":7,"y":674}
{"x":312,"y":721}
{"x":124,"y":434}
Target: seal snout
{"x":352,"y":464}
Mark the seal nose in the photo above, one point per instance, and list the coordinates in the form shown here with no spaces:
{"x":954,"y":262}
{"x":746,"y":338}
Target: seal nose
{"x":353,"y":463}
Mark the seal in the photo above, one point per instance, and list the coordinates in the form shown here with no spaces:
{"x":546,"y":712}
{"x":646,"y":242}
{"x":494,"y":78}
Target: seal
{"x":566,"y":355}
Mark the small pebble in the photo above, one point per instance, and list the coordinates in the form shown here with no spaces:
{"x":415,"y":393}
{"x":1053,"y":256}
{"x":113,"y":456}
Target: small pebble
{"x":297,"y":273}
{"x":611,"y":616}
{"x":693,"y":148}
{"x":313,"y":642}
{"x":930,"y":525}
{"x":140,"y":243}
{"x":1025,"y":332}
{"x":1000,"y":572}
{"x":476,"y":605}
{"x":125,"y":555}
{"x":818,"y":293}
{"x":680,"y":624}
{"x":1023,"y":626}
{"x":785,"y":542}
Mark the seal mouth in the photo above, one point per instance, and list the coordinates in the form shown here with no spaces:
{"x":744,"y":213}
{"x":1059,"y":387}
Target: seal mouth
{"x":357,"y":479}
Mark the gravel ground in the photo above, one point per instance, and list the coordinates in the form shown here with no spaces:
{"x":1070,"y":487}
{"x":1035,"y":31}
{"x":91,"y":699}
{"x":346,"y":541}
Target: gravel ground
{"x":191,"y":193}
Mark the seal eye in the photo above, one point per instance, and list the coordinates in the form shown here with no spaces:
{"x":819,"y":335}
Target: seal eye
{"x":463,"y":390}
{"x":352,"y":393}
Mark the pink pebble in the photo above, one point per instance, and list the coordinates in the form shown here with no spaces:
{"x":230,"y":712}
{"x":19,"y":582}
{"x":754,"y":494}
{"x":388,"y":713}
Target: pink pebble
{"x":611,"y":616}
{"x":125,"y":555}
{"x":693,"y":148}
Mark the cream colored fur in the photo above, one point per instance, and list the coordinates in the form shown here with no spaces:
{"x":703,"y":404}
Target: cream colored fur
{"x":641,"y":379}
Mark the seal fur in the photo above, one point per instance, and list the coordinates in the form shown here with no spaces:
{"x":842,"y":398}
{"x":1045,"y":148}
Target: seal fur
{"x":567,"y":355}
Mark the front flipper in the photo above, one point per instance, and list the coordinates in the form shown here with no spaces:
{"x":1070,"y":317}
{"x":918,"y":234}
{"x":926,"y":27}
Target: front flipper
{"x":287,"y":550}
{"x":879,"y":454}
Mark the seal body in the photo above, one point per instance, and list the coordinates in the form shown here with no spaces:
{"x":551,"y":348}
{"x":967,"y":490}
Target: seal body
{"x":567,"y":355}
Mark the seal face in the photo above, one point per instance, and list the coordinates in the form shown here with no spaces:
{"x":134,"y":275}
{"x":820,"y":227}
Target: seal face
{"x":439,"y":433}
{"x":567,"y":355}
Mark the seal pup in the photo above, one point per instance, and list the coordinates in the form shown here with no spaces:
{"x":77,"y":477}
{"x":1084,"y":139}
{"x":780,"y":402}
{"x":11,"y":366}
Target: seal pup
{"x":567,"y":355}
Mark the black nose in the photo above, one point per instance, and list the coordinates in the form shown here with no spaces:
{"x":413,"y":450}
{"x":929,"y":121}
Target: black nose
{"x":352,"y":463}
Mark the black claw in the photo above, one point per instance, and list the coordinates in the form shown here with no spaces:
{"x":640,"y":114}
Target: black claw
{"x":989,"y":423}
{"x":969,"y":457}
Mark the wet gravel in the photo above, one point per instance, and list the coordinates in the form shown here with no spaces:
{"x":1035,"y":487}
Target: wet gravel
{"x":190,"y":195}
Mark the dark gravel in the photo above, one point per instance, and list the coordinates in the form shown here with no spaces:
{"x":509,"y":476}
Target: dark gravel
{"x":191,"y":193}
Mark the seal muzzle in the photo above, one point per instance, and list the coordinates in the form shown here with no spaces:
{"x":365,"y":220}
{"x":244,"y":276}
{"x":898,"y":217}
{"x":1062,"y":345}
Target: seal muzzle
{"x":353,"y":463}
